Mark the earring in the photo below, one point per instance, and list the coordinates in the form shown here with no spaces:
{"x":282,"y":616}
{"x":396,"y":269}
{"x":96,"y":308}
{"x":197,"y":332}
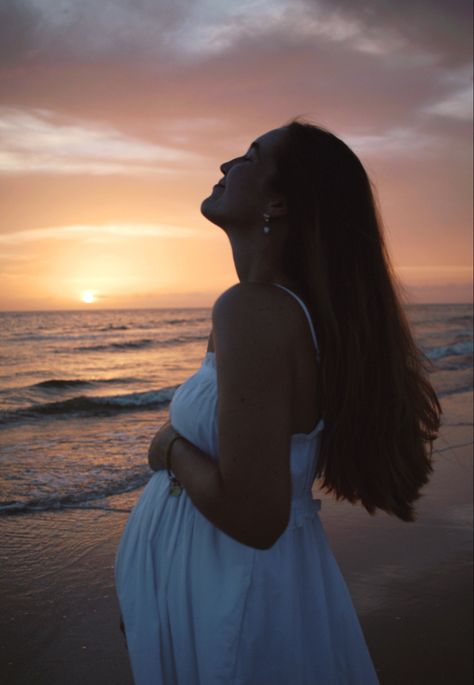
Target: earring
{"x":267,"y":227}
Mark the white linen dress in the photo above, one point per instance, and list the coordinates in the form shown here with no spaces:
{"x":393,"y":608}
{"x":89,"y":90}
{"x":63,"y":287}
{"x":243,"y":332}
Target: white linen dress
{"x":201,"y":608}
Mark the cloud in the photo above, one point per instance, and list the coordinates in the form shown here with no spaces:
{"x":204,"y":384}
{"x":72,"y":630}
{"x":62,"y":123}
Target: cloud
{"x":214,"y":27}
{"x":88,"y":31}
{"x":35,"y":141}
{"x":456,"y":103}
{"x":436,"y":28}
{"x":395,"y":142}
{"x":101,"y":233}
{"x":143,"y":31}
{"x":360,"y":66}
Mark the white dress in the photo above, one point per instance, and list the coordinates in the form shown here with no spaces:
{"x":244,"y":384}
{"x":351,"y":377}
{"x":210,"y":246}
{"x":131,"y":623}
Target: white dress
{"x":200,"y":608}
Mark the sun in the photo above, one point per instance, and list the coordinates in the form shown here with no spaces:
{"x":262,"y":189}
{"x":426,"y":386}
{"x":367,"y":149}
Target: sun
{"x":88,"y":296}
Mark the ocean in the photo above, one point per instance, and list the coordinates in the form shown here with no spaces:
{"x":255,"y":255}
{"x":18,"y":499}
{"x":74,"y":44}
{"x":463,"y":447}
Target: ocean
{"x":83,"y":392}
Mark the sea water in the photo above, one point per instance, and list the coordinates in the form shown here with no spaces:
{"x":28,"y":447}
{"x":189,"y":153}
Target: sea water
{"x":83,"y":392}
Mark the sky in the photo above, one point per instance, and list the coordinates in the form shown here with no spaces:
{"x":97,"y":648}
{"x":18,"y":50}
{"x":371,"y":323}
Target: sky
{"x":115,"y":117}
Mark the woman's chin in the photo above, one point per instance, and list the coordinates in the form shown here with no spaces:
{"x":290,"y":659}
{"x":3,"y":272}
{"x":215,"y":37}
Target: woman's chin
{"x":210,"y":211}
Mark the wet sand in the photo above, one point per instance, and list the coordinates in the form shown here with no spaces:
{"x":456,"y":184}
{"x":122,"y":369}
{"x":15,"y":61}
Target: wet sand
{"x":410,"y":583}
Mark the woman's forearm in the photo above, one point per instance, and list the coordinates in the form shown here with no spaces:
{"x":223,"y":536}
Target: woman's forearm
{"x":199,"y":475}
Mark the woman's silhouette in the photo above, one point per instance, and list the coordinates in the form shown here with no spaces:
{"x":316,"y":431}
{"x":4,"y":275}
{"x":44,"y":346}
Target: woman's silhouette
{"x":224,"y":573}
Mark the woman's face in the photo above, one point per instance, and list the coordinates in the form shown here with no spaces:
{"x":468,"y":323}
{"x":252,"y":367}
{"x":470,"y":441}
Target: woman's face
{"x":243,"y":195}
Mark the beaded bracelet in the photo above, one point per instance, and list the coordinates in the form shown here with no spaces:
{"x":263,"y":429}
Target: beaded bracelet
{"x":175,"y":486}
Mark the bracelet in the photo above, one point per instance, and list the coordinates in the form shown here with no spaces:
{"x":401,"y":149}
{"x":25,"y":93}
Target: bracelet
{"x":168,"y":453}
{"x":175,"y":486}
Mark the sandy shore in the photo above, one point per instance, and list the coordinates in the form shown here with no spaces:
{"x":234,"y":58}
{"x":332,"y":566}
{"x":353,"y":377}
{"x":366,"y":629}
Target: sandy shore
{"x":411,"y":583}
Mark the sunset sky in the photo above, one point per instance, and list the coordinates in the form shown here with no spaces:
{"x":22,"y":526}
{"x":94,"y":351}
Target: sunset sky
{"x":115,"y":116}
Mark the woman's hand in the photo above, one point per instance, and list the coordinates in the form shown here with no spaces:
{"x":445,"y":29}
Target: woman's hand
{"x":156,"y":452}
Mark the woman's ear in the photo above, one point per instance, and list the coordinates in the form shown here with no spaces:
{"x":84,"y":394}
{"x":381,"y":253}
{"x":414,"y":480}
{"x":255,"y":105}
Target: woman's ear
{"x":277,"y":207}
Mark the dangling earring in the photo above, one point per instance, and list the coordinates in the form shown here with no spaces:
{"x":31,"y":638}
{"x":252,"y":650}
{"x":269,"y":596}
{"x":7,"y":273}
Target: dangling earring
{"x":267,"y":227}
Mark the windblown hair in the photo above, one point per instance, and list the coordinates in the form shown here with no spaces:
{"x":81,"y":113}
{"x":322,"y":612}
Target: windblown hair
{"x":381,"y":413}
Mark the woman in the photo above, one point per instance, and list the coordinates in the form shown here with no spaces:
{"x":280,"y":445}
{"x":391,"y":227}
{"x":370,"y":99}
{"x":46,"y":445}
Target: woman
{"x":224,"y":573}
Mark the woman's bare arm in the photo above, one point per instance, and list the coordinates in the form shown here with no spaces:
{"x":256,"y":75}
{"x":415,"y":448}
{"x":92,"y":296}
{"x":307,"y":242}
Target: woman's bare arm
{"x":247,"y":493}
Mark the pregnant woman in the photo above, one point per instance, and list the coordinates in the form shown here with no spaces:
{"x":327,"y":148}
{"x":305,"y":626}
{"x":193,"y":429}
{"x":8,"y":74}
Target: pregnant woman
{"x":224,"y":573}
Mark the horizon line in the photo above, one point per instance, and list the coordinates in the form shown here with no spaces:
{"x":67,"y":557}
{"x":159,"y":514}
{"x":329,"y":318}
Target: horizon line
{"x":112,"y":309}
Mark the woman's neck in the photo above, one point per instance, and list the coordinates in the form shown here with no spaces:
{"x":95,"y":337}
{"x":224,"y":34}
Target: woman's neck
{"x":257,"y":260}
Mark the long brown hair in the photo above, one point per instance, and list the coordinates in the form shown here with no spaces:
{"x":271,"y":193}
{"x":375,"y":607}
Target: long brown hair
{"x":381,"y":412}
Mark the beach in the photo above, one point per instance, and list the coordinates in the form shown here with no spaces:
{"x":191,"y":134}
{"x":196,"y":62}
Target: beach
{"x":81,"y":395}
{"x":411,"y":583}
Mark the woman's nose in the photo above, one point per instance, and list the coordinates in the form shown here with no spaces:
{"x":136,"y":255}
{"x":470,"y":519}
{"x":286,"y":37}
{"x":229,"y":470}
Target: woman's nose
{"x":225,"y":166}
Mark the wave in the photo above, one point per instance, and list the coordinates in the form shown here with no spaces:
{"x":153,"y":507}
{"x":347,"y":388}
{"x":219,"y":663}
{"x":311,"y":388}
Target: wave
{"x":126,"y":345}
{"x":92,"y":405}
{"x":466,"y":319}
{"x":87,"y":498}
{"x":175,"y":321}
{"x":51,"y":337}
{"x":138,"y":344}
{"x":112,"y":327}
{"x":156,"y":323}
{"x":457,"y":348}
{"x":455,"y":391}
{"x":60,"y":383}
{"x":95,"y":405}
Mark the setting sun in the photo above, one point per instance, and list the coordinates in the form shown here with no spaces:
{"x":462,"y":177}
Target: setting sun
{"x":87,"y":296}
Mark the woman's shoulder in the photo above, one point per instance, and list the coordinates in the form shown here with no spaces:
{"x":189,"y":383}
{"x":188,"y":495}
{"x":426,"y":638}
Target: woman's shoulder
{"x":251,"y":295}
{"x":245,"y":289}
{"x":258,"y":309}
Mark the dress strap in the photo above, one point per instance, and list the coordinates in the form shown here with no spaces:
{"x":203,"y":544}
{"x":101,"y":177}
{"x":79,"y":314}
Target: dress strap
{"x":308,"y":315}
